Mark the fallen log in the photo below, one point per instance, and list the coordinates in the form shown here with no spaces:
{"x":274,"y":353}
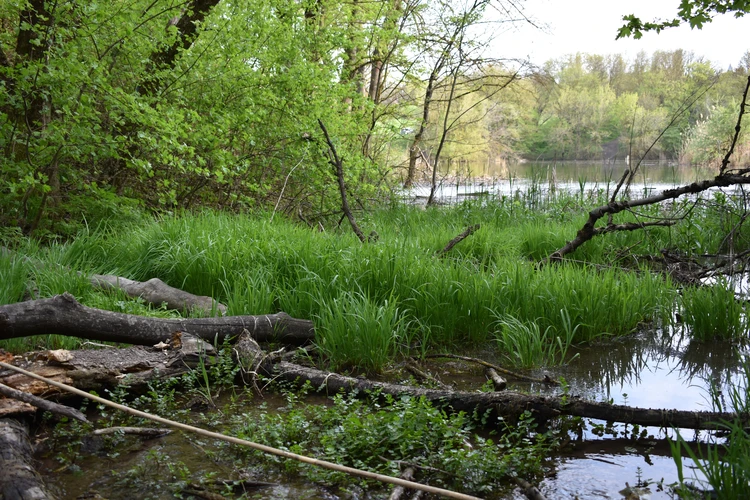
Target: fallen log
{"x":63,"y":315}
{"x":510,"y":403}
{"x":42,"y":404}
{"x":99,"y":369}
{"x":155,"y":291}
{"x":18,"y":478}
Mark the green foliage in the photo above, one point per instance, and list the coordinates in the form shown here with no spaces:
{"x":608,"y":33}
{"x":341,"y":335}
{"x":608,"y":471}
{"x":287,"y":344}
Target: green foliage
{"x":725,"y":465}
{"x":356,"y":331}
{"x":527,"y":346}
{"x":376,"y":432}
{"x":696,"y":13}
{"x":711,"y":312}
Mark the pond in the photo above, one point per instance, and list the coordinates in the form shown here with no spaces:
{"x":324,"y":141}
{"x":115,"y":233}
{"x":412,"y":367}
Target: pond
{"x":545,"y":179}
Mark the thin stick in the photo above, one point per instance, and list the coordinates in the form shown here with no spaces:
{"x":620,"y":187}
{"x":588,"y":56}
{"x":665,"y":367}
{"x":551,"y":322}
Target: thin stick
{"x":243,"y":442}
{"x":507,"y":372}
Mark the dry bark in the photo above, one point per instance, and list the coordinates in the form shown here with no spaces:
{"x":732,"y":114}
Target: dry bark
{"x":63,"y":315}
{"x":509,"y":403}
{"x":99,"y":369}
{"x":42,"y":404}
{"x":18,"y":479}
{"x":155,"y":291}
{"x":498,"y":382}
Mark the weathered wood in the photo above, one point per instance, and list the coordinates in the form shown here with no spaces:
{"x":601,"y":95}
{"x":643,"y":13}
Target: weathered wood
{"x":63,"y":315}
{"x":155,"y":291}
{"x":97,"y":369}
{"x":498,"y":382}
{"x":149,"y":432}
{"x":18,"y":478}
{"x":42,"y":404}
{"x":510,"y":403}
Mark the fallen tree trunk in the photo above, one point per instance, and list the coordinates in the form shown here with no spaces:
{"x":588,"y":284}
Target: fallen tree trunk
{"x":99,"y":369}
{"x":63,"y":315}
{"x":155,"y":291}
{"x":509,"y":403}
{"x":18,"y":479}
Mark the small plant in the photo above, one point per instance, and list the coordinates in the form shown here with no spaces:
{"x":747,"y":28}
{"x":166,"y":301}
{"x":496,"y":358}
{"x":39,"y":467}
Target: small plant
{"x":356,"y":332}
{"x":710,"y":312}
{"x":527,"y":346}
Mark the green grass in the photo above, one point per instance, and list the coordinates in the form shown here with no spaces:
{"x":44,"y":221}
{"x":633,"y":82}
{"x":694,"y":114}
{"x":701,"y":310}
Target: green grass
{"x":395,"y":285}
{"x":527,"y":346}
{"x":713,"y":312}
{"x":725,"y":465}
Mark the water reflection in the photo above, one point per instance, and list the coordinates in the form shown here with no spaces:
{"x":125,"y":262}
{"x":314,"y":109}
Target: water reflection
{"x":658,"y":369}
{"x":544,"y":179}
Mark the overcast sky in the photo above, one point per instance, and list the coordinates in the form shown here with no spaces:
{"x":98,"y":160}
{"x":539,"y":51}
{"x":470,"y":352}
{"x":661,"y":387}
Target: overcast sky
{"x":591,"y":26}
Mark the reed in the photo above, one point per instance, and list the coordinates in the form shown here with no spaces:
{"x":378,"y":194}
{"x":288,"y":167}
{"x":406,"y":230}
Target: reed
{"x":711,"y":312}
{"x":353,"y":331}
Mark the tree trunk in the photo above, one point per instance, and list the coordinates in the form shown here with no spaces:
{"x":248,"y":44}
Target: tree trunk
{"x":18,"y":479}
{"x":63,"y":315}
{"x":509,"y":403}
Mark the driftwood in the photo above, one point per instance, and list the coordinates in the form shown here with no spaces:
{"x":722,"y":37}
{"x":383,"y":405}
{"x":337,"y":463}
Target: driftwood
{"x":509,"y":403}
{"x":97,"y":370}
{"x":155,"y":291}
{"x":18,"y":479}
{"x":148,"y":432}
{"x":498,"y":382}
{"x":63,"y":315}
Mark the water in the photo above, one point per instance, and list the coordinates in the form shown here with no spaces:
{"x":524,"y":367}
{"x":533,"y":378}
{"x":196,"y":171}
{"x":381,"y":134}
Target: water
{"x":545,"y":179}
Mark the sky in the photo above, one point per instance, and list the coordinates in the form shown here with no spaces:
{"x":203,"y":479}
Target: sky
{"x":571,"y":26}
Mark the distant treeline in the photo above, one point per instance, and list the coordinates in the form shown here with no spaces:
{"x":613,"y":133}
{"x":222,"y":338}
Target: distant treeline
{"x":671,"y":105}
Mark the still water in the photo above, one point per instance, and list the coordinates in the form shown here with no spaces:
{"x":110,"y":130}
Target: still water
{"x":545,"y":179}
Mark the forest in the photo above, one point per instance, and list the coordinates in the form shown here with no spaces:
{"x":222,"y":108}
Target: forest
{"x":210,"y":215}
{"x":170,"y":107}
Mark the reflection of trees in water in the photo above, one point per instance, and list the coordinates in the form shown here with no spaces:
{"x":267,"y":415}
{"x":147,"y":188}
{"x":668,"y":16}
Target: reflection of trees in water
{"x":620,"y":362}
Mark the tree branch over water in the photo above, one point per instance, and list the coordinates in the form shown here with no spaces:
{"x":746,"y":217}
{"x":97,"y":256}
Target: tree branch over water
{"x":725,"y":178}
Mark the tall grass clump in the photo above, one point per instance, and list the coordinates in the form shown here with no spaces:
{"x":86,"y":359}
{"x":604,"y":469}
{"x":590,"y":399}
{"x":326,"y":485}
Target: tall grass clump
{"x":13,"y":277}
{"x":710,"y":312}
{"x":726,"y":466}
{"x":355,"y":332}
{"x":526,"y":345}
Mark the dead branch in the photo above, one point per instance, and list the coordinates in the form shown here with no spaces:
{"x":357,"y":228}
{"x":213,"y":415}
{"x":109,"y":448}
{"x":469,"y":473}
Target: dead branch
{"x":63,"y":315}
{"x":589,"y":229}
{"x":498,"y":382}
{"x":155,"y":291}
{"x":725,"y":178}
{"x":42,"y":404}
{"x":339,"y":165}
{"x":458,"y":239}
{"x":18,"y":478}
{"x":510,"y":403}
{"x":737,"y":129}
{"x":150,"y":432}
{"x":505,"y":371}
